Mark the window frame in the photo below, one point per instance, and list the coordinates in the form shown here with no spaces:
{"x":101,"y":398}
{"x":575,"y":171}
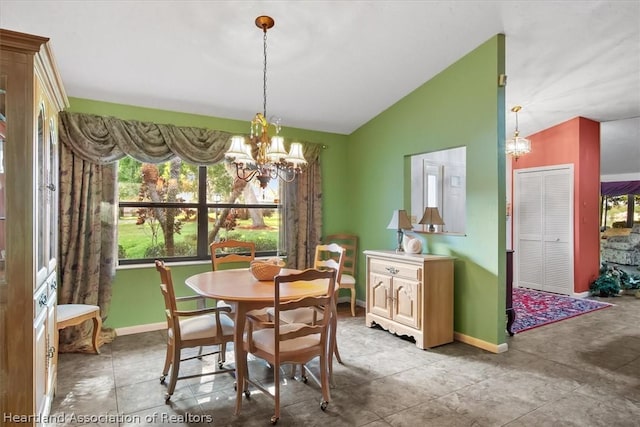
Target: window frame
{"x":202,"y":208}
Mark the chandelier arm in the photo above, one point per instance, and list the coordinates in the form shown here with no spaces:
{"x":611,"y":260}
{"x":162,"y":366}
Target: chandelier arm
{"x":287,"y":174}
{"x":273,"y":172}
{"x":247,"y":174}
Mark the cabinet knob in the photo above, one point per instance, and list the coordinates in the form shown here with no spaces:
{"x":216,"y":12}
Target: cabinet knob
{"x":51,"y":187}
{"x":43,"y":300}
{"x":392,"y":270}
{"x":54,"y":284}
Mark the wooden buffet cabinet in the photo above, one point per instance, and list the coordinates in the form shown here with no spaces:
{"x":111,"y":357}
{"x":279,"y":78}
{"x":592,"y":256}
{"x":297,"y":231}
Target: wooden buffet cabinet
{"x":31,"y":95}
{"x":411,"y":294}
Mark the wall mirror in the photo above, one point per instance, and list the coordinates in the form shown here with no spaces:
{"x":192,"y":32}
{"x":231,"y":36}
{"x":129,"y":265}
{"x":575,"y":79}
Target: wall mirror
{"x":438,"y":180}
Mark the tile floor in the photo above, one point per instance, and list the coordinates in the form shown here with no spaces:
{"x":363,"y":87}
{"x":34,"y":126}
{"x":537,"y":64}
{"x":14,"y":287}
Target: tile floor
{"x":583,"y":371}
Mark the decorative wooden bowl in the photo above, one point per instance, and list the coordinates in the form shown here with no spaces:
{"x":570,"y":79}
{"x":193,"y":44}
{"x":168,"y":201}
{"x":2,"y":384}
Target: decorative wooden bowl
{"x":265,"y":270}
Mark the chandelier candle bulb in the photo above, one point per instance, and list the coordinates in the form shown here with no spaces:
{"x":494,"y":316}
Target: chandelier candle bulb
{"x":276,"y":151}
{"x":295,"y":157}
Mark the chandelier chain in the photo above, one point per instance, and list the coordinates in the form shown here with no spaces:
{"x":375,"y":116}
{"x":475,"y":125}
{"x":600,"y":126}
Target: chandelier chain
{"x":264,"y":76}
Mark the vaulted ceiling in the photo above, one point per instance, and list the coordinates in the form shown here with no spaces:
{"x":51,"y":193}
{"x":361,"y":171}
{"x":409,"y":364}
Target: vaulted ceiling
{"x":334,"y":65}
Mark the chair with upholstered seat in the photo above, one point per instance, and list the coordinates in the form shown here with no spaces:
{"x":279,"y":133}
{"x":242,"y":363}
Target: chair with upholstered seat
{"x":326,"y":257}
{"x":347,"y":279}
{"x":191,"y":328}
{"x":76,"y":314}
{"x":329,"y":256}
{"x":296,"y":343}
{"x":231,"y":251}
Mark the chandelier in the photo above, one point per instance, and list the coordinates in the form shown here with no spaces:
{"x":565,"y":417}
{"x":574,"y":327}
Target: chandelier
{"x":517,"y":146}
{"x":261,"y":157}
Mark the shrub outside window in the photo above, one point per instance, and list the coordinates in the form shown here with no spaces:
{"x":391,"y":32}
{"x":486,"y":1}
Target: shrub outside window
{"x":174,"y":210}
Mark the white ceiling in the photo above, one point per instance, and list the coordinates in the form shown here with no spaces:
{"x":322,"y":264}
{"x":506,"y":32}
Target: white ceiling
{"x":334,"y":65}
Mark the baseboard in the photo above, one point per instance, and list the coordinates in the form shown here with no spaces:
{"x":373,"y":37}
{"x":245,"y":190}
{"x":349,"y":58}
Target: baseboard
{"x":493,"y":348}
{"x":581,"y":295}
{"x":137,"y":329}
{"x":149,"y":327}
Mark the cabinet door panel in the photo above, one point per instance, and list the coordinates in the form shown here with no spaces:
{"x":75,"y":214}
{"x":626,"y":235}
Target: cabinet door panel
{"x":41,"y":361}
{"x":52,"y":339}
{"x":41,"y":246}
{"x":406,"y":295}
{"x":380,"y":293}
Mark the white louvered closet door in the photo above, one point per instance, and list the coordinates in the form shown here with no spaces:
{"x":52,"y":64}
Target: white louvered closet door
{"x":543,"y":229}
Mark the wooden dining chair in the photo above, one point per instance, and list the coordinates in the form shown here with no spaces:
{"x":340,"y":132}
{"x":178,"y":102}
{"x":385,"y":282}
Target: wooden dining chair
{"x":347,"y":279}
{"x":329,"y":256}
{"x":326,"y":257}
{"x":231,"y":251}
{"x":231,"y":254}
{"x":191,"y":328}
{"x":296,"y":343}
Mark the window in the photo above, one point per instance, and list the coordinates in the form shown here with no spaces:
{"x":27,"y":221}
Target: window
{"x":618,"y":210}
{"x":173,"y":210}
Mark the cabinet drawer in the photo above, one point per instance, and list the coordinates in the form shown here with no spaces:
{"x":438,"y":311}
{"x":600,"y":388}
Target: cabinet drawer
{"x":396,"y":269}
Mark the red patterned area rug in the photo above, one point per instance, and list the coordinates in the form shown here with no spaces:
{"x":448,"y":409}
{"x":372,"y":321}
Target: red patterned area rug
{"x":536,"y":308}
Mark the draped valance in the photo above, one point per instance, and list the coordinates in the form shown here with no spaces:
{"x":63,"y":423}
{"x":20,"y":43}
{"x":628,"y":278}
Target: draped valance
{"x":102,"y":140}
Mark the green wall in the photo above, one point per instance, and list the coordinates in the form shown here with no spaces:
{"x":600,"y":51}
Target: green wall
{"x":364,"y":179}
{"x":462,"y":106}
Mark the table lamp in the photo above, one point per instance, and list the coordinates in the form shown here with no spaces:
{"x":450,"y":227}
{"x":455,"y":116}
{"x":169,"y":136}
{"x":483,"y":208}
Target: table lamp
{"x":400,"y":221}
{"x":431,"y":217}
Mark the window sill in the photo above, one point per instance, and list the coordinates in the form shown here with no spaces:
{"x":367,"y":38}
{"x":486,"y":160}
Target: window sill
{"x":178,"y":263}
{"x":170,"y":264}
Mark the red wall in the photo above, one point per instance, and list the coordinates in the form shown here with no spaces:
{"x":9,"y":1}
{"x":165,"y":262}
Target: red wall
{"x":576,"y":142}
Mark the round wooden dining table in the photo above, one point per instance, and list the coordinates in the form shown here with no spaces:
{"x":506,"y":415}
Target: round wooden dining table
{"x":240,"y":288}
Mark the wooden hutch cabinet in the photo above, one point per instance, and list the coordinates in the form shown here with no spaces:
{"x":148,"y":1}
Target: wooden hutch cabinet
{"x":31,"y":95}
{"x":411,"y":294}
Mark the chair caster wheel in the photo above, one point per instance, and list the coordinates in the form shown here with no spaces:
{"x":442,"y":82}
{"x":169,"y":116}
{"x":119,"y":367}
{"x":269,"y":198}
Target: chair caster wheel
{"x":220,"y":365}
{"x":167,"y":397}
{"x":235,"y":386}
{"x":162,"y":378}
{"x":274,"y":419}
{"x":247,"y":394}
{"x":323,"y":405}
{"x":304,"y":379}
